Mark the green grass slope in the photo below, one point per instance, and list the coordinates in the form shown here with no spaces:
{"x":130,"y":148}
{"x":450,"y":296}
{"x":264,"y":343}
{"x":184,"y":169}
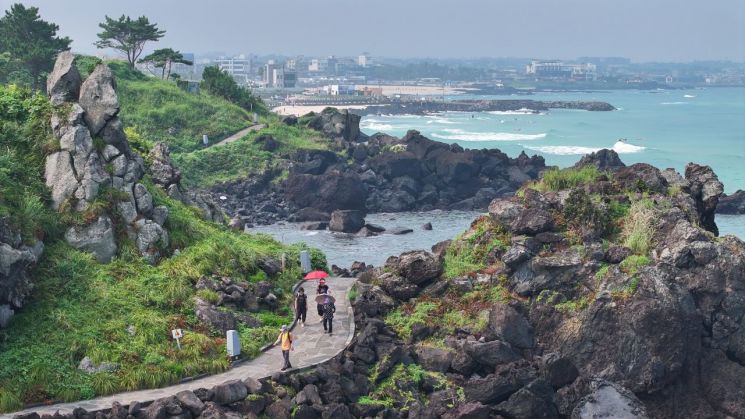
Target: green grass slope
{"x":81,"y":308}
{"x":165,"y":112}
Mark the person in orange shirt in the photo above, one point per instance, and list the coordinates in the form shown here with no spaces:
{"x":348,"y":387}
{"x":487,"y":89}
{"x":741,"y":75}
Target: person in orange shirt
{"x":285,"y":338}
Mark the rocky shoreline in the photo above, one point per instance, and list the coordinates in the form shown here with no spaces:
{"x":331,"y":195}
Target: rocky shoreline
{"x":378,"y":173}
{"x":535,"y":106}
{"x":562,"y":320}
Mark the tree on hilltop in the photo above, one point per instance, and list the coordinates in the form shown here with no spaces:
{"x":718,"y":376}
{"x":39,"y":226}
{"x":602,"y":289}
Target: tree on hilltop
{"x":30,"y":41}
{"x":220,"y":83}
{"x":164,"y":58}
{"x":128,"y":35}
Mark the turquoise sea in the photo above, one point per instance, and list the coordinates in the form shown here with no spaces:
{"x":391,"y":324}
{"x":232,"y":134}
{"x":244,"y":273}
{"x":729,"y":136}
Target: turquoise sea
{"x":664,"y":128}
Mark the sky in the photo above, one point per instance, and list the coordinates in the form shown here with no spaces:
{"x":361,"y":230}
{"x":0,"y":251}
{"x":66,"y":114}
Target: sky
{"x":643,"y":30}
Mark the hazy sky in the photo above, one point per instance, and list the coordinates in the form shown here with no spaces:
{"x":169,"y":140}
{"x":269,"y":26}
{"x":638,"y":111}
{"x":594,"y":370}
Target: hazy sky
{"x":643,"y":30}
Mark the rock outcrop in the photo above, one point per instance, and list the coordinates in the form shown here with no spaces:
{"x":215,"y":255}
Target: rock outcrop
{"x":17,"y":260}
{"x":732,"y":204}
{"x":380,"y":174}
{"x":85,"y":173}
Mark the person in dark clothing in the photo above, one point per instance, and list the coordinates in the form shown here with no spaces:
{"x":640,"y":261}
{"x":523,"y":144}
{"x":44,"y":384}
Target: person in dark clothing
{"x":301,"y":306}
{"x":321,"y":289}
{"x":328,"y":315}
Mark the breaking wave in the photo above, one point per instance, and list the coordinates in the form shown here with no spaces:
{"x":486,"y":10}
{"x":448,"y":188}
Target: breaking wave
{"x":620,"y":147}
{"x":460,"y":135}
{"x":375,"y":125}
{"x":521,"y":111}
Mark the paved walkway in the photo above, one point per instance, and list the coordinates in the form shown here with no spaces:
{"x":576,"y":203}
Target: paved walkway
{"x":240,"y":134}
{"x":312,"y":347}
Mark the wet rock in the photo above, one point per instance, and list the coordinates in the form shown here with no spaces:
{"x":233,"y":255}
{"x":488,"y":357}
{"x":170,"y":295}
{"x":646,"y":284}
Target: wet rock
{"x":427,"y":226}
{"x":347,"y":221}
{"x":732,"y":204}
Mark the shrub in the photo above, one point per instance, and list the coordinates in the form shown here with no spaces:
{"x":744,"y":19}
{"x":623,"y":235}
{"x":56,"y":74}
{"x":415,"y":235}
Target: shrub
{"x":638,"y":227}
{"x":557,"y":179}
{"x":631,"y":264}
{"x":582,"y":215}
{"x":402,"y":319}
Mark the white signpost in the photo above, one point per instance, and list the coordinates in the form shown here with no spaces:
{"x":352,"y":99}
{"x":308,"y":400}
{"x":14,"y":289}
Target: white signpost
{"x":234,"y":344}
{"x":305,"y":261}
{"x":177,"y":334}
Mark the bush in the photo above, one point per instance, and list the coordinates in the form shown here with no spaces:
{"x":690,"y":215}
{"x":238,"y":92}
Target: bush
{"x":558,"y":179}
{"x":470,"y":252}
{"x":582,"y":215}
{"x":638,"y":227}
{"x":633,"y":263}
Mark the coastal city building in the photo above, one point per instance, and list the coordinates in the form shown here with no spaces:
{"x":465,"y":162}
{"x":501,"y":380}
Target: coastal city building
{"x":239,"y":67}
{"x":561,"y":70}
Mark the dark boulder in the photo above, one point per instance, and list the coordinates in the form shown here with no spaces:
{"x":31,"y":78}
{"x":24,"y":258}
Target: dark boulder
{"x":327,"y":192}
{"x":229,"y":392}
{"x":641,"y":177}
{"x":417,"y":266}
{"x":347,"y":221}
{"x":491,"y":353}
{"x":473,"y":410}
{"x":533,"y":401}
{"x":732,"y":204}
{"x":603,"y":159}
{"x":507,"y":324}
{"x":434,"y":359}
{"x":266,"y":142}
{"x":491,"y":389}
{"x":532,"y":221}
{"x":310,"y":214}
{"x":705,"y":190}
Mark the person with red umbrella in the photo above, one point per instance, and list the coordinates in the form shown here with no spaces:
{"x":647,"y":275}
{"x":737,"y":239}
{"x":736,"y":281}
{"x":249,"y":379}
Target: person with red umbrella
{"x":321,"y":290}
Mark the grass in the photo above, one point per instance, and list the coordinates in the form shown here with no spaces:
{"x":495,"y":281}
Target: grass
{"x":451,"y":312}
{"x":633,"y":263}
{"x":402,"y":387}
{"x":81,"y":308}
{"x":206,"y":167}
{"x":575,"y":305}
{"x":558,"y":179}
{"x":469,"y":253}
{"x":638,"y":227}
{"x":171,"y":115}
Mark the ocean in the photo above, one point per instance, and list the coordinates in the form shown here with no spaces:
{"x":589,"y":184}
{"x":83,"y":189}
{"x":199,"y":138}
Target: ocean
{"x":663,"y":128}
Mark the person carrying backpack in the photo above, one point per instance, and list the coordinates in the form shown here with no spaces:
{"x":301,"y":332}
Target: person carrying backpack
{"x":328,"y":315}
{"x":301,"y":306}
{"x":321,"y":289}
{"x":285,"y":338}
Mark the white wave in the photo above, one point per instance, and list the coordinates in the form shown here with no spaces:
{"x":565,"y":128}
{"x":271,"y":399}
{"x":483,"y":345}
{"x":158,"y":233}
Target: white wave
{"x":689,"y":96}
{"x":563,"y":150}
{"x":620,"y":147}
{"x":457,"y":134}
{"x":674,"y":103}
{"x":434,"y":119}
{"x":376,"y":126}
{"x":623,"y":147}
{"x":521,"y":111}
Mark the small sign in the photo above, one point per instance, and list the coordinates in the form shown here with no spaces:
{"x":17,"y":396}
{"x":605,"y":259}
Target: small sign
{"x":177,"y":334}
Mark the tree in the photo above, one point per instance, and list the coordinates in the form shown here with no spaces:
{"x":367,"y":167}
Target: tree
{"x":30,"y":41}
{"x":128,"y":36}
{"x":164,"y":59}
{"x":220,"y":83}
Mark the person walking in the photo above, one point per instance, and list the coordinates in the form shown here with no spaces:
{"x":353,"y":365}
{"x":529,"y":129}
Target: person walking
{"x":285,"y":338}
{"x":301,"y":306}
{"x":328,"y":315}
{"x":321,"y":289}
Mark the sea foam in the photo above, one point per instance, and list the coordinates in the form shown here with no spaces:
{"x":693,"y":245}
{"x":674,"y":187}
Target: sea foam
{"x":460,"y":135}
{"x":620,"y":147}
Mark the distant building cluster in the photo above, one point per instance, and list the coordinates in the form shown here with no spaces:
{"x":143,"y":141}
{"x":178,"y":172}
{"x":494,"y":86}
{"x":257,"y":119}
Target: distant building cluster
{"x":560,"y":70}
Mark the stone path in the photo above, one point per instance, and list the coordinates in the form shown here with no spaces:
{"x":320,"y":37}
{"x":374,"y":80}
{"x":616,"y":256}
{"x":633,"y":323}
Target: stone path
{"x":240,"y":134}
{"x":312,"y":347}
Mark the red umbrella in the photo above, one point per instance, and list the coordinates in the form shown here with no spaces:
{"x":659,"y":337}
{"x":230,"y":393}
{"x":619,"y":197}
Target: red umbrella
{"x":316,"y":275}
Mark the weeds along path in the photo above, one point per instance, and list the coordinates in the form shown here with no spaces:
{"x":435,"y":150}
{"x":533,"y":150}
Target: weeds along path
{"x":240,"y":134}
{"x":312,"y":347}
